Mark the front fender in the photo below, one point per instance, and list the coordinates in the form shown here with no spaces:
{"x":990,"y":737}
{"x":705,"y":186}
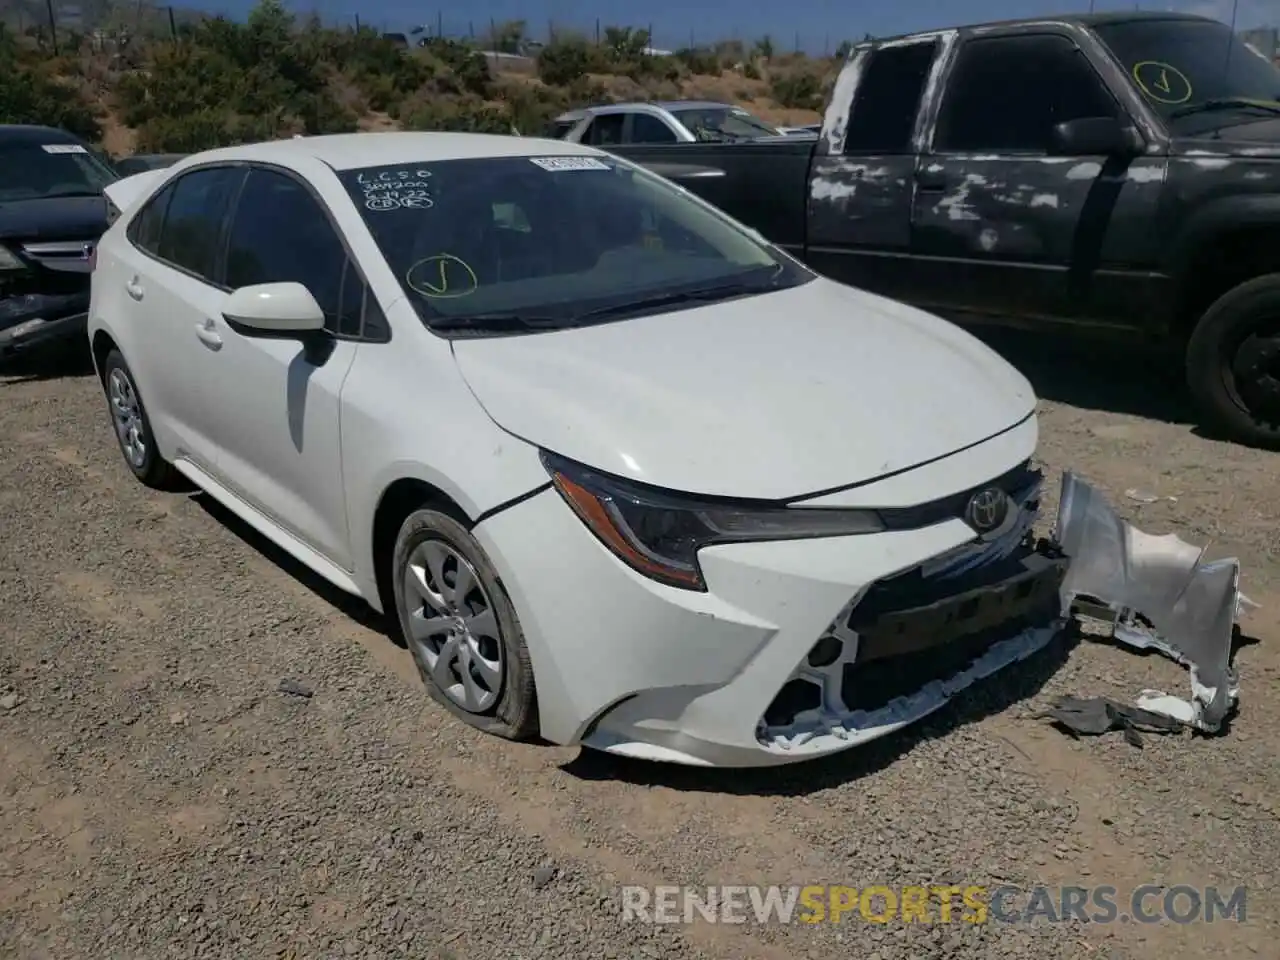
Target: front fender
{"x":1214,"y":219}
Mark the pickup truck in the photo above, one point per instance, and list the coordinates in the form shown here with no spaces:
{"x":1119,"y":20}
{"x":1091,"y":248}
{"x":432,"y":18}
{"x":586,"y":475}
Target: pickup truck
{"x":1106,"y":172}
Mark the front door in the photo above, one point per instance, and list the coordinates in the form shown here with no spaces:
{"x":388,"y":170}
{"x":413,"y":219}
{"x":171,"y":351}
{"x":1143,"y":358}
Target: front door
{"x":1001,"y":226}
{"x":280,"y":445}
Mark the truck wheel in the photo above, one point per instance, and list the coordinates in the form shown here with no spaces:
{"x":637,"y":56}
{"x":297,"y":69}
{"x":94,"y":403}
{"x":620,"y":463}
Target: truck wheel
{"x":1233,"y":362}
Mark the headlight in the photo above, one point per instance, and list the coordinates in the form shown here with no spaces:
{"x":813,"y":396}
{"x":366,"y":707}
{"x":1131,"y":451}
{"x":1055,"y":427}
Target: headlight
{"x":659,"y":534}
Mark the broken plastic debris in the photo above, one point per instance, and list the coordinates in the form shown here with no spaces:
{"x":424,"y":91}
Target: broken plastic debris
{"x":1098,"y":715}
{"x":1157,"y":593}
{"x":1144,"y":496}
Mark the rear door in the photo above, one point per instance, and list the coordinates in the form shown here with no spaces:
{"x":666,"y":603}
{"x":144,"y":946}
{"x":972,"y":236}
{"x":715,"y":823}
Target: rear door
{"x":166,"y":281}
{"x":861,"y":178}
{"x":1001,"y":225}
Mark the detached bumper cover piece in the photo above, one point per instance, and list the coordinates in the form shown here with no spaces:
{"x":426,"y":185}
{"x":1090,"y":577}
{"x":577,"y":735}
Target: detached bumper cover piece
{"x":1155,"y":593}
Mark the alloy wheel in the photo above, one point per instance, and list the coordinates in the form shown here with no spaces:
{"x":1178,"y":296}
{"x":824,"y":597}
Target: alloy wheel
{"x":453,"y":626}
{"x":126,"y":415}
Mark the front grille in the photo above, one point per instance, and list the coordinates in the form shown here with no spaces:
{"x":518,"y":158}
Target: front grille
{"x":1018,"y":484}
{"x":948,"y":625}
{"x":929,"y":623}
{"x":63,"y":256}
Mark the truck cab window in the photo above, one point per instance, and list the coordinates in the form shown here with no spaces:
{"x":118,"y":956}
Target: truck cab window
{"x":1007,"y":93}
{"x":605,"y":130}
{"x":888,"y":99}
{"x":647,"y":129}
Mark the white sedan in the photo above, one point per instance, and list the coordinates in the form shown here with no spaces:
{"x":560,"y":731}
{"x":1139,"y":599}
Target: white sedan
{"x":625,"y":474}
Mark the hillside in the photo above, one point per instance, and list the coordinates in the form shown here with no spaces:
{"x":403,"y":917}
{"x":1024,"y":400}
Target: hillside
{"x":215,"y":82}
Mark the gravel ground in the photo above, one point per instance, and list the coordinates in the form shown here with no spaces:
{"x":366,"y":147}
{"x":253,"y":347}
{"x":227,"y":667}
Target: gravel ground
{"x":160,"y":796}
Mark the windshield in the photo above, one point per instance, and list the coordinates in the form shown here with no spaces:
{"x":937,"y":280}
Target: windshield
{"x":723,"y":123}
{"x":36,"y":171}
{"x":557,"y":241}
{"x":1181,"y":66}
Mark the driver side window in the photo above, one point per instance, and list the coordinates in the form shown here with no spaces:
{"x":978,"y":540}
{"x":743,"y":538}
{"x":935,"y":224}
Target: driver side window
{"x":1006,"y":94}
{"x":647,"y":129}
{"x":280,"y":233}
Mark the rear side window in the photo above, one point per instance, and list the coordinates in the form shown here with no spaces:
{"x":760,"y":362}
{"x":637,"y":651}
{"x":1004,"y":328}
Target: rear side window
{"x":647,"y":129}
{"x":192,"y":231}
{"x":144,"y":229}
{"x":888,"y":99}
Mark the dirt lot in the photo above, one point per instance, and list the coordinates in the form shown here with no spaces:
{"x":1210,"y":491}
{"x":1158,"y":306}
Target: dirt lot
{"x":159,"y":797}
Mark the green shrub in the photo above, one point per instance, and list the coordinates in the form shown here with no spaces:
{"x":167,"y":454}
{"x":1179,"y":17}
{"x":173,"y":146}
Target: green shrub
{"x":699,"y":60}
{"x":31,"y":91}
{"x":800,"y":90}
{"x":565,"y":59}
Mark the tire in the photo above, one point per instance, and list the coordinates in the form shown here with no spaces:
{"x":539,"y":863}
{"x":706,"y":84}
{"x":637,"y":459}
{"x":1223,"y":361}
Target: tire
{"x":138,"y":448}
{"x":1233,"y":363}
{"x":434,"y":548}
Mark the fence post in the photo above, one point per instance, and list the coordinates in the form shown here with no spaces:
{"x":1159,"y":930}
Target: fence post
{"x":53,"y":25}
{"x":173,"y":25}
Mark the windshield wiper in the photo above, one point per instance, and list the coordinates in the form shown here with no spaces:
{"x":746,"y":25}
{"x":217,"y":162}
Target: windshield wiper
{"x":498,"y":322}
{"x":1225,"y":103}
{"x":704,"y":295}
{"x":61,"y":194}
{"x":514,"y":320}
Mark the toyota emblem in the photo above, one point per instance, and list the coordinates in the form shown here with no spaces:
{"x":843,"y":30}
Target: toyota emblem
{"x":987,"y":510}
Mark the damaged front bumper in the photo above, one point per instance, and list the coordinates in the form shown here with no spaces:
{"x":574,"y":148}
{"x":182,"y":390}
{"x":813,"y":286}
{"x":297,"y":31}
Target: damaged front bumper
{"x":756,"y":672}
{"x":1154,"y":593}
{"x":33,"y":319}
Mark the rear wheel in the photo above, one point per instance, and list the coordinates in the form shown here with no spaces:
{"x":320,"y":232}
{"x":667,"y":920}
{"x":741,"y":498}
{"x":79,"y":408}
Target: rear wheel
{"x":132,"y":428}
{"x":1233,"y":362}
{"x":461,"y":627}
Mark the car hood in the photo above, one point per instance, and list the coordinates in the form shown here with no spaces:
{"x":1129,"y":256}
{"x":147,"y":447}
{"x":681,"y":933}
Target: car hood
{"x":773,"y":397}
{"x":1258,"y":138}
{"x":54,"y":218}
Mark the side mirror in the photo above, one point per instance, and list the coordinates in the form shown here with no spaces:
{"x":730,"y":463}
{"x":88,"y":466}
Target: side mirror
{"x":1095,"y":136}
{"x":274,"y":310}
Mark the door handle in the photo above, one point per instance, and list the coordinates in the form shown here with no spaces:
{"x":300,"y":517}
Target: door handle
{"x":134,"y":289}
{"x":935,"y":181}
{"x":208,"y":335}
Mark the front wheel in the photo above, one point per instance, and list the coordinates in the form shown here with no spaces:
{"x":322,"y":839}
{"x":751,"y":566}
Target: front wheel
{"x":461,"y":627}
{"x":1233,"y":362}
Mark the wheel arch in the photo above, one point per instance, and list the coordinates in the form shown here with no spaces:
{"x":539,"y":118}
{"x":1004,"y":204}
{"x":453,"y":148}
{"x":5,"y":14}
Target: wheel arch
{"x":1224,"y":244}
{"x":400,"y":498}
{"x":101,"y":345}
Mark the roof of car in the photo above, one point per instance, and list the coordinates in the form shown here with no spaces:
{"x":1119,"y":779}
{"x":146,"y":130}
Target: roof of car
{"x":350,"y":151}
{"x":1089,"y":20}
{"x":24,"y":133}
{"x":641,"y":106}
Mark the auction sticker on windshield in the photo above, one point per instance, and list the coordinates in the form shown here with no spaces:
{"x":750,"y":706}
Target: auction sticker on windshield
{"x":63,"y":148}
{"x":556,"y":164}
